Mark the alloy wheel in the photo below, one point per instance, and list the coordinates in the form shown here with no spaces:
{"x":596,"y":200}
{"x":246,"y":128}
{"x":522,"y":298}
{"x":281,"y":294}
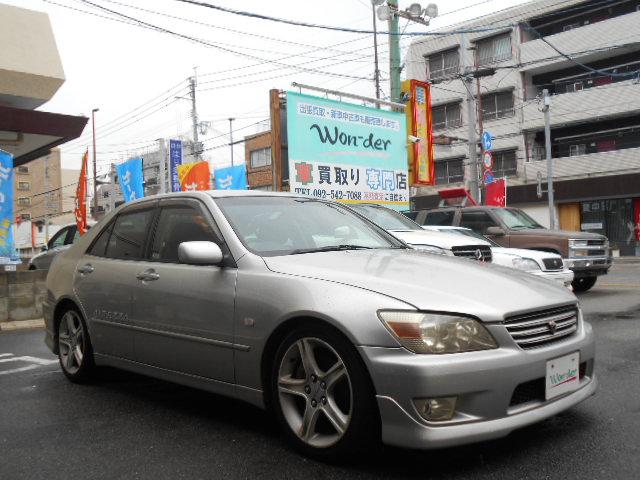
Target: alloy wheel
{"x":71,"y":342}
{"x":315,"y":392}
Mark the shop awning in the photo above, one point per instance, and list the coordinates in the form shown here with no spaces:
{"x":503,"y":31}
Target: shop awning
{"x":30,"y":134}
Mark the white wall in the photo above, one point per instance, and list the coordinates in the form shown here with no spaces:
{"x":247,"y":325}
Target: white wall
{"x":538,"y":211}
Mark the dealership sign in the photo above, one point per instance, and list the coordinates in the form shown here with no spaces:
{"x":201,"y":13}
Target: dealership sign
{"x":346,"y":152}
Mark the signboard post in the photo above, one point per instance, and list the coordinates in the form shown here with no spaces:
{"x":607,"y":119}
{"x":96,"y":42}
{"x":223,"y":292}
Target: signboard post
{"x":346,"y":152}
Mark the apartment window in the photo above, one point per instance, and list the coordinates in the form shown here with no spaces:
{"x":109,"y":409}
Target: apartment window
{"x":444,"y":64}
{"x":24,"y":201}
{"x":447,"y":116}
{"x":497,"y":105}
{"x":23,"y":186}
{"x":22,"y":169}
{"x":25,"y":216}
{"x":449,"y":171}
{"x":575,"y":150}
{"x":494,"y":49}
{"x":505,"y":163}
{"x":260,"y":158}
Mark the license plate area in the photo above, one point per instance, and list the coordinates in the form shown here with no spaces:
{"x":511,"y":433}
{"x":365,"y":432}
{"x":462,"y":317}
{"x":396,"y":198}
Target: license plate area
{"x":563,"y":375}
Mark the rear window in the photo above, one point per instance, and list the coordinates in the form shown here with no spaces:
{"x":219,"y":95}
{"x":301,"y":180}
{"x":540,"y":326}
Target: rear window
{"x":440,"y":218}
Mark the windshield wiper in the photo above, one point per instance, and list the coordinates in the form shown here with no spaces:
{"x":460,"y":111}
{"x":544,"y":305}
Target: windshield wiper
{"x":329,"y":248}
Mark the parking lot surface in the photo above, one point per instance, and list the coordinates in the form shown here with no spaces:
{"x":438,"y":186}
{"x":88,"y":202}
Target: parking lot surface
{"x":127,"y":426}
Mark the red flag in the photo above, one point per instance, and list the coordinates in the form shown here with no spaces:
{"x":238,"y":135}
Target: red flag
{"x":497,"y":193}
{"x":80,"y":209}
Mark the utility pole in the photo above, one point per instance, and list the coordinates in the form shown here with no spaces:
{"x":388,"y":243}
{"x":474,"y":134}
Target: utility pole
{"x":112,"y":191}
{"x":394,"y":51}
{"x":471,"y":123}
{"x":231,"y":138}
{"x":376,"y":73}
{"x":95,"y":182}
{"x":547,"y":143}
{"x":162,"y":173}
{"x":195,"y":148}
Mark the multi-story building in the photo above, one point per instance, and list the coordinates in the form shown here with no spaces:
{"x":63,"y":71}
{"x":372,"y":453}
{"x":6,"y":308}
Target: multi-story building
{"x":37,"y":188}
{"x":257,"y":151}
{"x":587,"y":54}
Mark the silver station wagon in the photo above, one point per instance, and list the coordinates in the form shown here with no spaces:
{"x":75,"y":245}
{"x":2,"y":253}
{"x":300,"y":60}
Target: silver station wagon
{"x":303,"y":307}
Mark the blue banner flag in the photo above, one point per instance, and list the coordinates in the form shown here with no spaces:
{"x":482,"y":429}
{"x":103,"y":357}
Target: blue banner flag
{"x":130,"y":178}
{"x":7,"y":247}
{"x":175,"y":156}
{"x":231,"y":178}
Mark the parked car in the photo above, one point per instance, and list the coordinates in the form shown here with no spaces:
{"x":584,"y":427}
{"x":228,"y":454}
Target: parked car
{"x":427,"y":241}
{"x":303,"y":307}
{"x":61,"y":241}
{"x":543,"y":264}
{"x":586,"y":254}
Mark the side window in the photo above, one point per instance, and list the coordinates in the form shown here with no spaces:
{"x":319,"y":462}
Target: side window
{"x":179,"y":224}
{"x":59,"y":238}
{"x":477,"y":221}
{"x":129,"y":231}
{"x":440,"y":218}
{"x":100,"y":244}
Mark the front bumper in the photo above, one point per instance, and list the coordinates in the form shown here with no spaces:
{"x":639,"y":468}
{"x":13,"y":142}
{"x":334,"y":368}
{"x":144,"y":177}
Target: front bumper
{"x":483,"y":382}
{"x":588,"y":266}
{"x":564,"y":277}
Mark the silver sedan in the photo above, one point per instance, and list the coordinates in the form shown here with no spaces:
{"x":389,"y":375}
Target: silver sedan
{"x":307,"y":309}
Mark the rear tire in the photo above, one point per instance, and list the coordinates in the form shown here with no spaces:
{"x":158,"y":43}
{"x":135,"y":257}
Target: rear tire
{"x":75,"y":352}
{"x":322,"y":395}
{"x":583,"y":284}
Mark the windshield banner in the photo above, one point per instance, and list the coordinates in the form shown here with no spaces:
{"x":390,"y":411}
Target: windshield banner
{"x":7,"y":247}
{"x":130,"y":177}
{"x":346,"y":152}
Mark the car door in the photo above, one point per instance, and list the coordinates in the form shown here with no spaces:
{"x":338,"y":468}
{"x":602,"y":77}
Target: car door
{"x":183,"y":314}
{"x":106,"y":276}
{"x":54,"y":247}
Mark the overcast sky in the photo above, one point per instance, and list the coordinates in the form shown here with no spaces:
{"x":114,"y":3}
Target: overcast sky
{"x":117,"y":67}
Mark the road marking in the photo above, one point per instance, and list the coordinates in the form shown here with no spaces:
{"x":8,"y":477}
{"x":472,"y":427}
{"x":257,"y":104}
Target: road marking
{"x":34,"y":362}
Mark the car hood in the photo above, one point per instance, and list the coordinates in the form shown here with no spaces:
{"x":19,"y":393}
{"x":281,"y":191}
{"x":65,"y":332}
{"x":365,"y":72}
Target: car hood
{"x":543,"y":232}
{"x":525,"y":253}
{"x":438,"y":239}
{"x":428,"y":281}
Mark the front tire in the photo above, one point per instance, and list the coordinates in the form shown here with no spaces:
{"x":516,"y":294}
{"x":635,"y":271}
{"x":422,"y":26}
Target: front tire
{"x":322,"y":395}
{"x":583,"y":284}
{"x":75,"y":352}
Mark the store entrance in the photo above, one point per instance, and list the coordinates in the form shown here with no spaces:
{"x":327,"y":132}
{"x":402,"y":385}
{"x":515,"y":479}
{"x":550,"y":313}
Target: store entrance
{"x":614,"y":219}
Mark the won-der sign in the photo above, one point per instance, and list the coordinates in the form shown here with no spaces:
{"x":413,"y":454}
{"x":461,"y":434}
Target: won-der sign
{"x":346,"y":152}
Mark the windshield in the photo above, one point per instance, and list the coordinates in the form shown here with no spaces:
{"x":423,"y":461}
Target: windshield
{"x":469,"y":233}
{"x":272,"y":226}
{"x":516,"y":219}
{"x":386,"y":218}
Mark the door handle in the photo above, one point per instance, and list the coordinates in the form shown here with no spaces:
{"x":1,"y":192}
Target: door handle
{"x":148,"y":275}
{"x":86,"y":269}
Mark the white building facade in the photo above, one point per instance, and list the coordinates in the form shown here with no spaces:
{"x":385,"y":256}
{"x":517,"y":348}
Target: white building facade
{"x":587,"y":54}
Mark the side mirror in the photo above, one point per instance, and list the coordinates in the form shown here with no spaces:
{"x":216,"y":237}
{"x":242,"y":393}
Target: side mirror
{"x":199,"y":253}
{"x":495,"y":231}
{"x":44,"y":248}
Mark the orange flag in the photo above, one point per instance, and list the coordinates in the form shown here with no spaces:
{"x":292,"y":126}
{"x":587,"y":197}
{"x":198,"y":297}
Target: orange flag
{"x":80,"y":209}
{"x":194,"y":176}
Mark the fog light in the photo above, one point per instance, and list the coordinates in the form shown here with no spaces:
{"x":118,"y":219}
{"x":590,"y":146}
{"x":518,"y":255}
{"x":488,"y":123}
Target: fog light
{"x":436,"y":409}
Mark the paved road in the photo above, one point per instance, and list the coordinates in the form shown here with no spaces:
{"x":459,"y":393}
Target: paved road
{"x":126,"y":426}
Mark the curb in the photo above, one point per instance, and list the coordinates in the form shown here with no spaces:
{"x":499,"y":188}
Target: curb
{"x":21,"y":325}
{"x":626,"y":260}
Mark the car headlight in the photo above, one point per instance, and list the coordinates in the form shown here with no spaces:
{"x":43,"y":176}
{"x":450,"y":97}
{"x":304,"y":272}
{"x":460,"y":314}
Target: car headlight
{"x":435,"y":333}
{"x":526,"y":264}
{"x":430,"y":249}
{"x":574,"y":242}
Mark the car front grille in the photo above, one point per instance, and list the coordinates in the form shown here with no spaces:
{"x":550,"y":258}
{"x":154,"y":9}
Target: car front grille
{"x":552,"y":263}
{"x":596,"y":243}
{"x":476,"y":252}
{"x":538,"y":329}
